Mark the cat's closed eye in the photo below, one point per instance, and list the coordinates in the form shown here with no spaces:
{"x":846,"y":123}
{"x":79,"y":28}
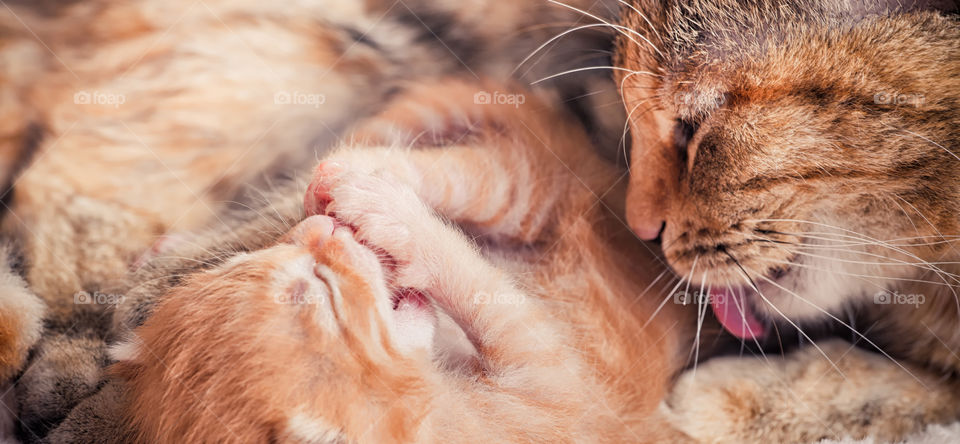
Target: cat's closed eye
{"x":683,"y":132}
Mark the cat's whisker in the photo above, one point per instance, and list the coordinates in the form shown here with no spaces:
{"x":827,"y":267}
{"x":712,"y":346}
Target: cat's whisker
{"x":896,"y":262}
{"x":686,"y":292}
{"x":863,"y":277}
{"x":623,"y":29}
{"x":831,"y":316}
{"x":589,"y":68}
{"x":863,"y":237}
{"x":891,"y":261}
{"x":756,"y":288}
{"x":645,"y":18}
{"x":701,"y":317}
{"x":847,"y":244}
{"x":919,"y":136}
{"x":892,"y":241}
{"x":663,"y":302}
{"x":555,"y":38}
{"x":931,"y":224}
{"x":626,"y":128}
{"x":743,"y":315}
{"x":259,"y":214}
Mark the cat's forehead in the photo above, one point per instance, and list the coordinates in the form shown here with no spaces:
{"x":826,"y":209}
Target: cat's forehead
{"x":723,"y":30}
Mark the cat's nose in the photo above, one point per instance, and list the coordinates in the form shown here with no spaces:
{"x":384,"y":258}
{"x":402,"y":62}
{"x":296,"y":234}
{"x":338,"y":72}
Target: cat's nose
{"x":313,"y":232}
{"x":654,"y":175}
{"x":645,"y":213}
{"x":652,"y":184}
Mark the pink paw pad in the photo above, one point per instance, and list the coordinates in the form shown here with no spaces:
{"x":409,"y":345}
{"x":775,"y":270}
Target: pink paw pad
{"x":318,"y":192}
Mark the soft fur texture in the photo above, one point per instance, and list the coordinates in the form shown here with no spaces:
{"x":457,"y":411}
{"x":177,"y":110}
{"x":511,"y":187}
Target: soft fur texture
{"x":804,"y":153}
{"x":199,"y":83}
{"x":123,"y":121}
{"x":555,"y":358}
{"x":807,"y":149}
{"x":935,"y":434}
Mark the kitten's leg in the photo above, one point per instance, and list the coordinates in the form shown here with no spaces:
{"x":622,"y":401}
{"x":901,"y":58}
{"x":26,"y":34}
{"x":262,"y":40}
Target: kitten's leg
{"x":507,"y":328}
{"x":503,"y":170}
{"x":466,"y":184}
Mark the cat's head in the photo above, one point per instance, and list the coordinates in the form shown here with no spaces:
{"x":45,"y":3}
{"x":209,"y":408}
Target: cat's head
{"x":804,"y":149}
{"x":304,"y":341}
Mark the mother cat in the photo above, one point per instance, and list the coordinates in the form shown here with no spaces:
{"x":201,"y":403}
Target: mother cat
{"x":801,"y":157}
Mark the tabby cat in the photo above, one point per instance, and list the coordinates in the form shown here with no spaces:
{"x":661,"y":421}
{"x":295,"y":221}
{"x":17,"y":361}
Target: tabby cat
{"x":798,"y":159}
{"x":801,"y":157}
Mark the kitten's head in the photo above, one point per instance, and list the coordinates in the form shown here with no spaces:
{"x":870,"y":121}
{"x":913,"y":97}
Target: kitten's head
{"x":802,"y":148}
{"x":304,"y":341}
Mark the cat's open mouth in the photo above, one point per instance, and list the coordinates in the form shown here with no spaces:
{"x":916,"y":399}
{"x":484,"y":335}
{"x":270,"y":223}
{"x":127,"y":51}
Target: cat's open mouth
{"x":401,"y":298}
{"x":735,"y":313}
{"x":733,"y":307}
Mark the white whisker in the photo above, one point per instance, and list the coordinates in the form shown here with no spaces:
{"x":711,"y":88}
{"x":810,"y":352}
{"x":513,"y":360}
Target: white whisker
{"x":618,"y":27}
{"x":588,"y":68}
{"x":860,"y":335}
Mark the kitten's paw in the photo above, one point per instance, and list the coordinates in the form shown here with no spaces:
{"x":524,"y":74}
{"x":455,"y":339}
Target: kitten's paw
{"x":385,"y":213}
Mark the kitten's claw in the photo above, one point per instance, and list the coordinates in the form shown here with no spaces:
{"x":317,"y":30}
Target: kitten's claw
{"x":384,"y":213}
{"x":318,"y":192}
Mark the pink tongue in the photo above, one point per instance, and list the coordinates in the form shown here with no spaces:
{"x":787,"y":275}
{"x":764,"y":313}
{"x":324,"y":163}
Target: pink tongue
{"x":735,"y":315}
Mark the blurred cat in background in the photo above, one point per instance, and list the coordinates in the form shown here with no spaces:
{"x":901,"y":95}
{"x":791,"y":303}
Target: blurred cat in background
{"x":124,"y":121}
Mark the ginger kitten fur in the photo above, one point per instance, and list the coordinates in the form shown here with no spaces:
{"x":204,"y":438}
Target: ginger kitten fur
{"x":334,"y":334}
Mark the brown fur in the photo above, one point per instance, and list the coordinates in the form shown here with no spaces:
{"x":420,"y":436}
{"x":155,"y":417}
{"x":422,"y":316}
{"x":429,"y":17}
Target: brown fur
{"x":763,"y":136}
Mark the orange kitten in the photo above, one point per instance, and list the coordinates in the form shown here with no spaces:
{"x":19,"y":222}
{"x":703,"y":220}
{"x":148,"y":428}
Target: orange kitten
{"x":340,"y":332}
